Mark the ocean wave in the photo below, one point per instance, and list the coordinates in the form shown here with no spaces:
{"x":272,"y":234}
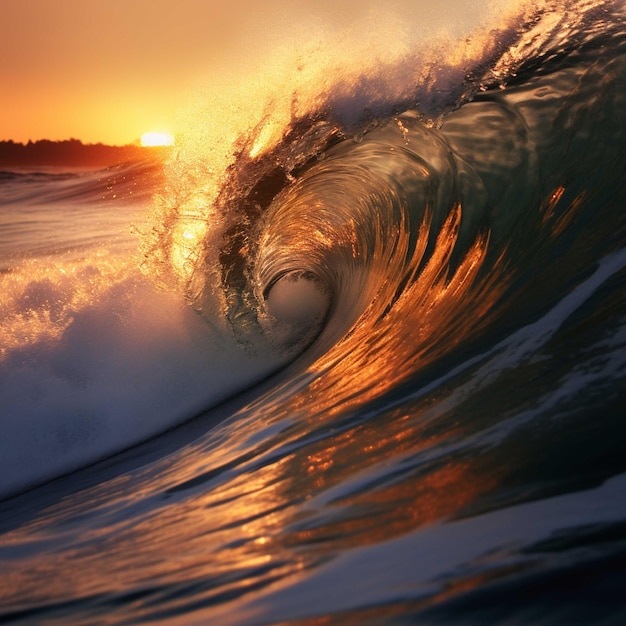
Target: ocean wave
{"x":422,"y":260}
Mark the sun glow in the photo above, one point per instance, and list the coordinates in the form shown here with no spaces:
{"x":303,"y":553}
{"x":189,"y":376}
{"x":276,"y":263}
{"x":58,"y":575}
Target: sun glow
{"x":152,"y":139}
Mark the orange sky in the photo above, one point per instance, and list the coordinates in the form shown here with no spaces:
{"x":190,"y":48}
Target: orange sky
{"x":109,"y":70}
{"x":106,"y":70}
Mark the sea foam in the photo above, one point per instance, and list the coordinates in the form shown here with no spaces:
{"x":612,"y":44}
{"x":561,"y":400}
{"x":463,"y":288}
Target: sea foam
{"x":130,"y":365}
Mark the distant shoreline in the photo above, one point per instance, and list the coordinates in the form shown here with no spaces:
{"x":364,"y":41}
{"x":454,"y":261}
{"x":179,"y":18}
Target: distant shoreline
{"x":72,"y":152}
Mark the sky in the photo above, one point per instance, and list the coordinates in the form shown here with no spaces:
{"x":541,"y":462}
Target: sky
{"x":110,"y":70}
{"x":105,"y":70}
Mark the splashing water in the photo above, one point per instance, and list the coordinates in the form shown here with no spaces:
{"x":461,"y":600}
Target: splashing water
{"x":380,"y":285}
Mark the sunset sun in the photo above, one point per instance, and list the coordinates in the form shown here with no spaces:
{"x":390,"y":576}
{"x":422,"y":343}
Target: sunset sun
{"x":152,"y":139}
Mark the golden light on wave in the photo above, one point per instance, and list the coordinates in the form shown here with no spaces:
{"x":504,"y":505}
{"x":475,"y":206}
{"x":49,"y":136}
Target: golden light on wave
{"x":186,"y":245}
{"x":153,"y":139}
{"x":39,"y":299}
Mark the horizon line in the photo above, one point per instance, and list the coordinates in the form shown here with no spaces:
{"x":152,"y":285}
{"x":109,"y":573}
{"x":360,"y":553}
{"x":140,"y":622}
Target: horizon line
{"x":32,"y":142}
{"x":135,"y":143}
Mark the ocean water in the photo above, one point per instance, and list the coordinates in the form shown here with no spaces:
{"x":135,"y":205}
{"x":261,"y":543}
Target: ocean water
{"x":355,"y":353}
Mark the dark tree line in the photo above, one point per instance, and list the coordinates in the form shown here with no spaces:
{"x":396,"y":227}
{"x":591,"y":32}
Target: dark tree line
{"x":68,"y":152}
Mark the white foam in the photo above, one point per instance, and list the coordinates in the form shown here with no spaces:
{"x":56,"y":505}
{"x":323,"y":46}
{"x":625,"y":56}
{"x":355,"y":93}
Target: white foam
{"x":128,"y":366}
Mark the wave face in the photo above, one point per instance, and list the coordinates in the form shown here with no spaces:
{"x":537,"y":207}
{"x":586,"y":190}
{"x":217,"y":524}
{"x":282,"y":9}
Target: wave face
{"x":393,"y":304}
